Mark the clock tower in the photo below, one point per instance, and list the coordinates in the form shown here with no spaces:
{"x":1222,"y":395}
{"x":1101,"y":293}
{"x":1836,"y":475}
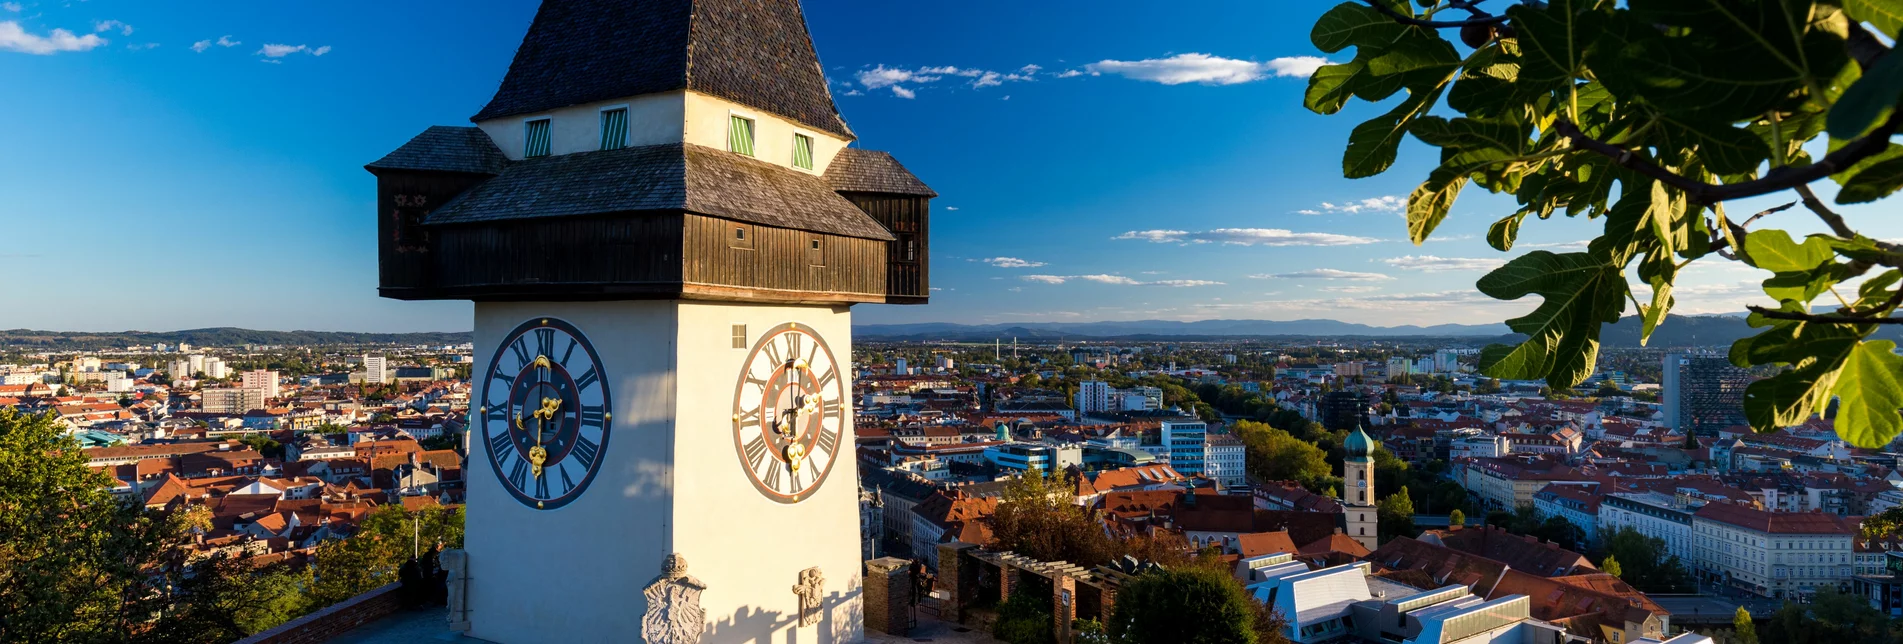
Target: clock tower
{"x":1360,"y":515}
{"x":664,"y":226}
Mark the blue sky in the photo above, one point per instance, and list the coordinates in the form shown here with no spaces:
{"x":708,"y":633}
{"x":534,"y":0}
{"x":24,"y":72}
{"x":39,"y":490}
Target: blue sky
{"x":179,"y":165}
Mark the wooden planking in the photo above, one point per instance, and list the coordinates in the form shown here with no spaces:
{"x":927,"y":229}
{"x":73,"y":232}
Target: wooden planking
{"x":780,"y":259}
{"x":411,"y":195}
{"x":623,"y":249}
{"x":909,"y":219}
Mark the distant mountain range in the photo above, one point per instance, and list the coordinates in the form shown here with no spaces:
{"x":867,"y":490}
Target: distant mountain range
{"x":217,"y":337}
{"x":1677,"y":331}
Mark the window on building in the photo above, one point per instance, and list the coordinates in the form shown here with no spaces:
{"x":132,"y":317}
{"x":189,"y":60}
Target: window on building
{"x":614,"y":129}
{"x":535,"y":138}
{"x":740,"y":239}
{"x":802,"y":152}
{"x":739,"y":336}
{"x":740,"y":135}
{"x":815,"y":253}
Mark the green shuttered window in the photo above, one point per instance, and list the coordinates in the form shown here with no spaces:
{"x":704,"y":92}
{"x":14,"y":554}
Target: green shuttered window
{"x":740,"y":135}
{"x":802,"y":151}
{"x":535,"y":139}
{"x":614,"y":129}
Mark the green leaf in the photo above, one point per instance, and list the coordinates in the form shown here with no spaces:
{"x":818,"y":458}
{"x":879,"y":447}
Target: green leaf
{"x":1804,"y":286}
{"x":1885,"y":15}
{"x":1330,"y":87}
{"x":1772,"y":250}
{"x":1869,"y":392}
{"x":1817,"y":353}
{"x":1724,"y":149}
{"x":1554,"y":39}
{"x":1714,"y":62}
{"x":1628,"y":228}
{"x":1873,"y":183}
{"x":1502,"y":234}
{"x":1466,"y":133}
{"x":1868,"y":101}
{"x":1353,"y":24}
{"x":1581,"y":291}
{"x":1372,"y":144}
{"x":1429,"y":203}
{"x":1417,"y":59}
{"x":1653,"y":315}
{"x":1666,"y":209}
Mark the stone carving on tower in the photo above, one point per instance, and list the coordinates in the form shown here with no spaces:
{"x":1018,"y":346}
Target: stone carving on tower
{"x":811,"y":591}
{"x":456,"y":563}
{"x":674,"y":615}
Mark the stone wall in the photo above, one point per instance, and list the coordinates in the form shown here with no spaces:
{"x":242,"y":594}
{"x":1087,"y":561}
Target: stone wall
{"x":336,"y":620}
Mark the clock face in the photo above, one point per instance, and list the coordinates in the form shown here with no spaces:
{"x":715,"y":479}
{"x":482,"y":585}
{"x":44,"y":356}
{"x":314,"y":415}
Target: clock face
{"x":789,"y":413}
{"x":544,"y":413}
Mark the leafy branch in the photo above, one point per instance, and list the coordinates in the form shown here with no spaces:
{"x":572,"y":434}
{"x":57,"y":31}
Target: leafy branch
{"x":1644,"y":115}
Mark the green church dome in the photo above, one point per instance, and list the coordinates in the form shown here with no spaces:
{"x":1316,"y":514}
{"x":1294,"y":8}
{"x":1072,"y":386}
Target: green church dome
{"x":1359,"y":446}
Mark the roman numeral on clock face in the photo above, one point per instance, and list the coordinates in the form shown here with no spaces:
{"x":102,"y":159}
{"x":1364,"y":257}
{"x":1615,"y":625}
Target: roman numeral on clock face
{"x":828,"y":441}
{"x":584,"y":453}
{"x":519,"y":475}
{"x":756,"y":452}
{"x":544,"y":342}
{"x":501,"y":445}
{"x":521,"y":349}
{"x":772,"y":478}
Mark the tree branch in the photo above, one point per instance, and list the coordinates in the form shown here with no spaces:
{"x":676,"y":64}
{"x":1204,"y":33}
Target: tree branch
{"x":1437,"y":24}
{"x":1721,"y":242}
{"x":1778,"y":179}
{"x":1831,"y":219}
{"x":1776,"y":314}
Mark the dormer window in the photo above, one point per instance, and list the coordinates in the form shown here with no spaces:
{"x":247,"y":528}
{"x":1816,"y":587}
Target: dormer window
{"x":535,"y":138}
{"x":614,"y":128}
{"x":802,"y":152}
{"x":740,"y":135}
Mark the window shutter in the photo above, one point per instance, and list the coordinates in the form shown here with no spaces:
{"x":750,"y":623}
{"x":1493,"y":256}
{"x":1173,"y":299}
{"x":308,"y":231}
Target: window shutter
{"x":802,"y":151}
{"x":535,"y":143}
{"x":614,"y":129}
{"x":740,"y":137}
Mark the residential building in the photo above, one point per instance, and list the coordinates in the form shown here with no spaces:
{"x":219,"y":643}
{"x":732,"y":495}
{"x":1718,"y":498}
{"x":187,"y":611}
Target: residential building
{"x":1093,"y":396}
{"x":1226,"y":460}
{"x":1577,"y":504}
{"x":376,"y":369}
{"x":262,"y":380}
{"x":230,"y":400}
{"x":1653,"y":515}
{"x":1774,"y":554}
{"x":1703,"y":392}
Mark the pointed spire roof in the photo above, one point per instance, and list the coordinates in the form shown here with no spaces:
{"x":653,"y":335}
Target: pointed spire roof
{"x":1359,"y":446}
{"x":754,"y":52}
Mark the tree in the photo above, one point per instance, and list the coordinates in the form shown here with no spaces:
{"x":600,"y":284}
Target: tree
{"x":1025,"y":618}
{"x":1652,"y":570}
{"x":1456,"y":518}
{"x":1742,"y":628}
{"x":1275,"y":455}
{"x":1606,"y":110}
{"x":226,"y":599}
{"x":345,"y":568}
{"x":1395,"y":516}
{"x":71,"y":555}
{"x":1610,"y":565}
{"x":1882,"y":524}
{"x":1036,"y":517}
{"x":1189,"y":606}
{"x":1558,"y":530}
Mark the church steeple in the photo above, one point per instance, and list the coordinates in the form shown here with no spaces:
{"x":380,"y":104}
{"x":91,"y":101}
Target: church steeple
{"x":757,"y":53}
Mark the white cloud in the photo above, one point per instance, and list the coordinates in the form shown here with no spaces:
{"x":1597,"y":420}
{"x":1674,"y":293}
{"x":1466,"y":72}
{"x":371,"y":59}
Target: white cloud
{"x":881,"y":76}
{"x":1349,"y":289}
{"x":1432,"y":264}
{"x":1571,"y":245}
{"x":103,"y":26}
{"x":1439,"y":296}
{"x":201,"y":46}
{"x":15,"y":38}
{"x":136,"y":47}
{"x":273,"y":50}
{"x":1328,"y":274}
{"x":11,"y":6}
{"x":952,"y":208}
{"x":1389,"y":203}
{"x":1118,"y":280}
{"x":1246,"y":237}
{"x":1070,"y":73}
{"x":1011,"y":262}
{"x":226,"y":41}
{"x":855,"y":93}
{"x":1207,"y":69}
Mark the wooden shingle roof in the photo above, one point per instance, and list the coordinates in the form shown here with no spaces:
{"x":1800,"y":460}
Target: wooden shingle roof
{"x":443,"y":148}
{"x":753,"y":52}
{"x":659,"y":178}
{"x":857,"y":170}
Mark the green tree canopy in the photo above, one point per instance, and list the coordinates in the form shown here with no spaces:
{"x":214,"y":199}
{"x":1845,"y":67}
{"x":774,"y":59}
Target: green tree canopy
{"x":1188,"y":606}
{"x":1651,"y":116}
{"x":1742,"y":628}
{"x":1037,"y":518}
{"x":1275,"y":455}
{"x":1651,"y":569}
{"x":1395,"y":516}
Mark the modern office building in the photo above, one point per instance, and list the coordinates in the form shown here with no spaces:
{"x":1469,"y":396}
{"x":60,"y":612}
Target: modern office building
{"x":1703,"y":392}
{"x":1186,"y":441}
{"x":1343,"y":410}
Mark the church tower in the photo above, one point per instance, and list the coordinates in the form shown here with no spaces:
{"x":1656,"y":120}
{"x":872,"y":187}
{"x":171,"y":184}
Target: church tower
{"x":664,"y":226}
{"x":1357,"y":490}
